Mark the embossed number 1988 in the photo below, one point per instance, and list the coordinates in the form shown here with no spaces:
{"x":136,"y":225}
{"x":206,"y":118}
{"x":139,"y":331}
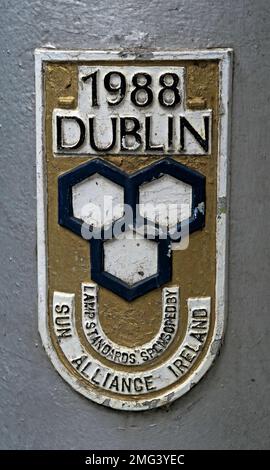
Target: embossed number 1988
{"x":142,"y":94}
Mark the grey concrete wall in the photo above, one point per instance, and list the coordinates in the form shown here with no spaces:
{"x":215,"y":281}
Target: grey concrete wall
{"x":230,"y":407}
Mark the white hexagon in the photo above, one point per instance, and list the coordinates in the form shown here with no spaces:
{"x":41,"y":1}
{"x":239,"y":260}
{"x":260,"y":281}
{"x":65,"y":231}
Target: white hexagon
{"x":166,"y":201}
{"x":131,"y":257}
{"x":98,"y":201}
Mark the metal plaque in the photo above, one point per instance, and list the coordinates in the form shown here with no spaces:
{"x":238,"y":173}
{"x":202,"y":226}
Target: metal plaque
{"x":132,"y":164}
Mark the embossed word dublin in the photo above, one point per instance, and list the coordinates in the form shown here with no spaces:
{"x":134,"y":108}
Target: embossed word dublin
{"x":132,"y":214}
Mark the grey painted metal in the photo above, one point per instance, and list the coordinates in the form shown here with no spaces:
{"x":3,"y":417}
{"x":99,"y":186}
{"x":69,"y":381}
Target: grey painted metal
{"x":230,"y":407}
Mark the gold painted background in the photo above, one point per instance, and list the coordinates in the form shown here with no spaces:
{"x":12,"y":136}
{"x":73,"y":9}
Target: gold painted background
{"x":131,"y":323}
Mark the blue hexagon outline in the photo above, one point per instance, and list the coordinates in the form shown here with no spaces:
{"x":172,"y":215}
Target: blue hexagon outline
{"x":66,"y":181}
{"x":183,"y":173}
{"x":121,"y":288}
{"x":130,"y":184}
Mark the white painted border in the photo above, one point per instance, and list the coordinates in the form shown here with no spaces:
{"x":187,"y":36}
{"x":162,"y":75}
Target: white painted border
{"x":225,"y":69}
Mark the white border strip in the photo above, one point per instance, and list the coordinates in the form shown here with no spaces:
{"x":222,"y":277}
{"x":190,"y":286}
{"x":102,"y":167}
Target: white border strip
{"x":59,"y":55}
{"x":225,"y":68}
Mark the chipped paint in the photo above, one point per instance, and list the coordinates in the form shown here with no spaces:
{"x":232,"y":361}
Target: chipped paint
{"x":62,"y":355}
